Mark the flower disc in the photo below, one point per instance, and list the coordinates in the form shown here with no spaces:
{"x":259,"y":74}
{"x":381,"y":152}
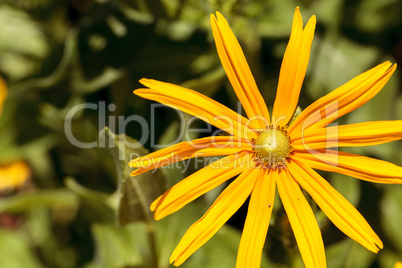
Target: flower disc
{"x":272,"y":147}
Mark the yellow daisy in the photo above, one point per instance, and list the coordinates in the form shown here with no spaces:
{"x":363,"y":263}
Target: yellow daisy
{"x":267,"y":153}
{"x":12,"y":175}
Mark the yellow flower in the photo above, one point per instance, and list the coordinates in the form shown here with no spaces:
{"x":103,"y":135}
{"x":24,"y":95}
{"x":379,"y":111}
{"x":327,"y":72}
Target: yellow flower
{"x":266,"y":154}
{"x":3,"y":94}
{"x":15,"y":174}
{"x":398,"y":265}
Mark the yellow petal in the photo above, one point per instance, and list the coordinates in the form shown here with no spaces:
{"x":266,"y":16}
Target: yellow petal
{"x":209,"y":146}
{"x":293,"y":69}
{"x":361,"y":167}
{"x":257,"y":222}
{"x":3,"y":93}
{"x":339,"y":210}
{"x":360,"y":134}
{"x":227,"y":203}
{"x":302,"y":220}
{"x":199,"y":183}
{"x":198,"y":105}
{"x":238,"y":72}
{"x":343,"y":100}
{"x":14,"y":175}
{"x":398,"y":265}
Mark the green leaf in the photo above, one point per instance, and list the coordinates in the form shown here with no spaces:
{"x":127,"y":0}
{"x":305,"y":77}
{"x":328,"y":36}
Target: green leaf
{"x":349,"y":187}
{"x":209,"y":83}
{"x":387,"y":258}
{"x":107,"y":77}
{"x":23,"y":43}
{"x":219,"y":252}
{"x":171,"y":229}
{"x":58,"y":73}
{"x":348,"y":253}
{"x":94,"y":204}
{"x":334,"y":62}
{"x":44,"y":198}
{"x":392,"y":217}
{"x":358,"y":256}
{"x":137,"y":193}
{"x":116,"y":246}
{"x":42,"y":227}
{"x":15,"y":251}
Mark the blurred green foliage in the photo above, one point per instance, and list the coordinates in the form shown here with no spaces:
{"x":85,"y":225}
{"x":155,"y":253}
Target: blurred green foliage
{"x":55,"y":55}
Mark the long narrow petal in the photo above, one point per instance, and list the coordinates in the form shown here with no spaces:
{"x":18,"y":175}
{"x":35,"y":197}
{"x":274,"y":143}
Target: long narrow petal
{"x":344,"y":99}
{"x":360,"y":134}
{"x":238,"y":72}
{"x":199,"y":183}
{"x":196,"y":104}
{"x":339,"y":210}
{"x":257,"y":222}
{"x":227,"y":203}
{"x":360,"y":167}
{"x":209,"y":146}
{"x":302,"y":220}
{"x":293,"y":69}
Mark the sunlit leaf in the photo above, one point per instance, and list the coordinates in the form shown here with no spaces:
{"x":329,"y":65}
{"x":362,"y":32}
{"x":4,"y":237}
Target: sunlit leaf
{"x":57,"y":74}
{"x":23,"y":43}
{"x":15,"y":251}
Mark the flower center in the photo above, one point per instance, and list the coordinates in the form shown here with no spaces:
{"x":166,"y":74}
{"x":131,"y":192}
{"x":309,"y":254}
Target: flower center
{"x":272,"y":147}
